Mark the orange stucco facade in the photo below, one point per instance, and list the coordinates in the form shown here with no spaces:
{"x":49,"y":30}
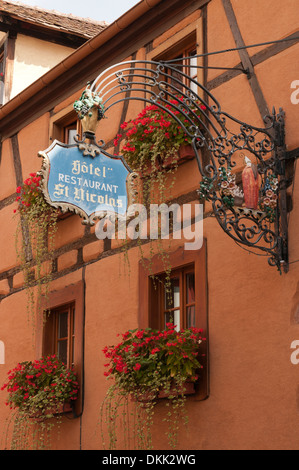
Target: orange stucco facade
{"x":253,"y":385}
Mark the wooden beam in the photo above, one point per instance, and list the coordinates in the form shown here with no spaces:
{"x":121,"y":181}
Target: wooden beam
{"x":245,"y":59}
{"x":17,"y":160}
{"x":275,"y":49}
{"x":9,"y":56}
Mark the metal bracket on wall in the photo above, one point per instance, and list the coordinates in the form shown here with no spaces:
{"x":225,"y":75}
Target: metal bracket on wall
{"x":242,"y":166}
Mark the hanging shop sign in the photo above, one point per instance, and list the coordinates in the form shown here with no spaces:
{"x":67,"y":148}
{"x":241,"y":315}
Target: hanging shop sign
{"x":90,"y":184}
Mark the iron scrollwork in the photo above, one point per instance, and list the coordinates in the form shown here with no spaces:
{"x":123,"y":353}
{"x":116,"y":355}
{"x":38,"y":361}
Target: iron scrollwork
{"x":223,"y":147}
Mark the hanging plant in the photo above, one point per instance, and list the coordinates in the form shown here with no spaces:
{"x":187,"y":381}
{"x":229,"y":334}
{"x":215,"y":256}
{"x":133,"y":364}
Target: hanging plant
{"x":151,"y":144}
{"x":146,"y":365}
{"x":38,"y":391}
{"x":35,"y":236}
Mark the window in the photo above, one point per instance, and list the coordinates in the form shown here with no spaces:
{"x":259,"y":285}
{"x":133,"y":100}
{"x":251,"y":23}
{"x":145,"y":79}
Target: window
{"x":185,"y":62}
{"x":177,"y":298}
{"x":64,"y":126}
{"x":182,"y":48}
{"x":185,"y":302}
{"x":70,"y":132}
{"x":59,"y":336}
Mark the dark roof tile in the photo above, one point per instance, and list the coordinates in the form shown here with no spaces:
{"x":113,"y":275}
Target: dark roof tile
{"x":84,"y":27}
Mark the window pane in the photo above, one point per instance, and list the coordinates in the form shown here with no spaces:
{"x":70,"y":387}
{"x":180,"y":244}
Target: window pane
{"x":71,"y":134}
{"x":193,"y":64}
{"x":62,"y":325}
{"x":172,"y":296}
{"x":191,"y":316}
{"x":190,"y":283}
{"x":193,"y":71}
{"x":62,"y":350}
{"x":177,"y":78}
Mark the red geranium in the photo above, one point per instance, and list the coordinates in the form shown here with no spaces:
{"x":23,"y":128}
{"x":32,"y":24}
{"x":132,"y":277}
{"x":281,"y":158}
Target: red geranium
{"x":41,"y":384}
{"x":29,"y":193}
{"x":146,"y":357}
{"x":156,"y":131}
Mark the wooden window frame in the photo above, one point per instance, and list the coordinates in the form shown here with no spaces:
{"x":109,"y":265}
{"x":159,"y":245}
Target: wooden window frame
{"x":53,"y":346}
{"x":61,"y":122}
{"x":183,"y":50}
{"x":186,"y":40}
{"x":69,"y":295}
{"x":2,"y":78}
{"x":67,"y":128}
{"x":179,"y":273}
{"x":149,"y":300}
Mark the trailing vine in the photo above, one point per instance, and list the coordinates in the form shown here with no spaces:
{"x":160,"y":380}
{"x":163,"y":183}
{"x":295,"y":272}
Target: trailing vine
{"x":35,"y":240}
{"x":146,"y":366}
{"x":37,"y":393}
{"x":150,"y":144}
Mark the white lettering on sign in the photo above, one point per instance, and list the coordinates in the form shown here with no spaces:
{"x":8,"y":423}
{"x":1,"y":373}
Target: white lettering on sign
{"x":112,"y":188}
{"x":79,"y":167}
{"x":80,"y":194}
{"x":2,"y":353}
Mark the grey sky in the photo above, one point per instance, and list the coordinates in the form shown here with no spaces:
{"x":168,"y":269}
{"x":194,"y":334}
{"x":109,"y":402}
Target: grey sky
{"x":99,"y":10}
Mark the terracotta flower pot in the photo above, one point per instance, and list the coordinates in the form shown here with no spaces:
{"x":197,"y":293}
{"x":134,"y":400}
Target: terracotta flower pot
{"x":143,"y":397}
{"x":55,"y":411}
{"x":186,"y":152}
{"x":188,"y":388}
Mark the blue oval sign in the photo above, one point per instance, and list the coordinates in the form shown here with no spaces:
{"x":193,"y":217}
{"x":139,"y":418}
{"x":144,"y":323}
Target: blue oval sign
{"x":87,"y":185}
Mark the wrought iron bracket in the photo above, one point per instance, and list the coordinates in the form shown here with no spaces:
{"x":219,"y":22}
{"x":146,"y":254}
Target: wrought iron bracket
{"x":226,"y":150}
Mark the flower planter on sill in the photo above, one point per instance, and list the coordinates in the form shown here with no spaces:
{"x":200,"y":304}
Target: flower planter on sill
{"x":144,"y":397}
{"x":52,"y":412}
{"x":186,"y":153}
{"x":188,"y":388}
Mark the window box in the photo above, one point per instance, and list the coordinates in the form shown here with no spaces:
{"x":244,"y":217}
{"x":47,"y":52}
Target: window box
{"x":63,"y":408}
{"x":185,"y":152}
{"x":186,"y":308}
{"x":188,"y":388}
